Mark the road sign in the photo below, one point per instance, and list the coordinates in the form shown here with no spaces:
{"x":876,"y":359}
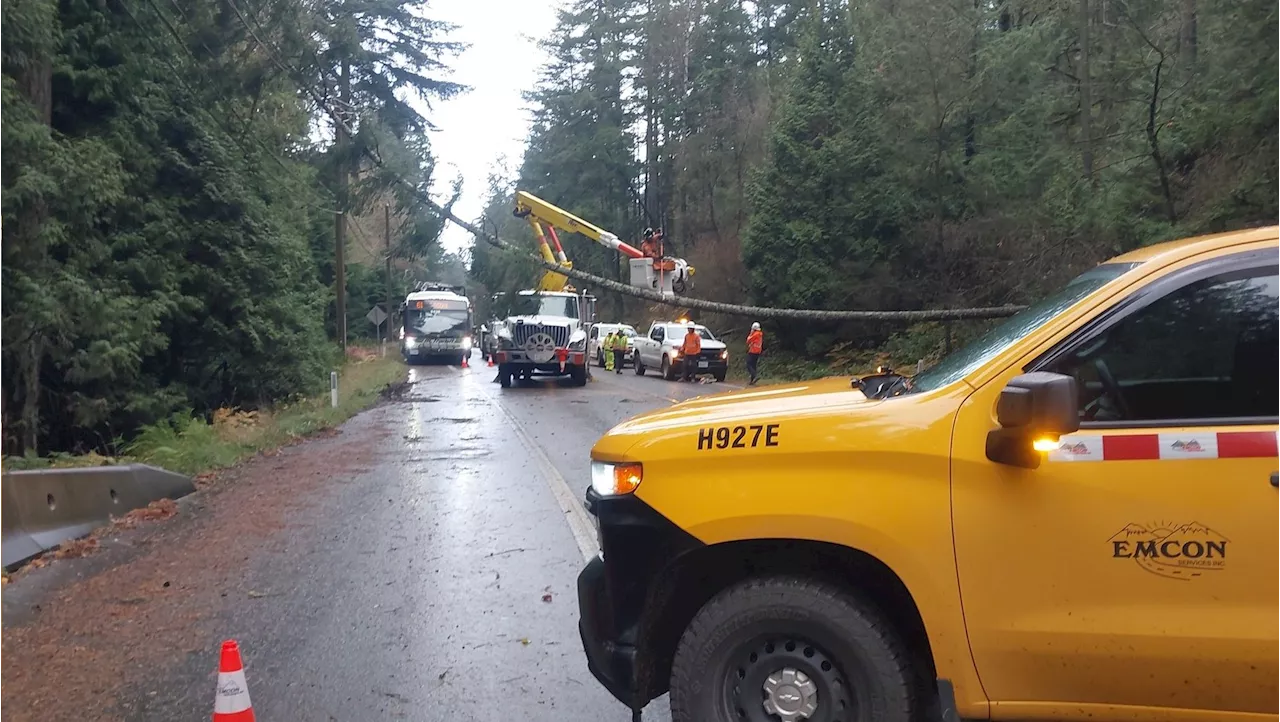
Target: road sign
{"x":376,"y":315}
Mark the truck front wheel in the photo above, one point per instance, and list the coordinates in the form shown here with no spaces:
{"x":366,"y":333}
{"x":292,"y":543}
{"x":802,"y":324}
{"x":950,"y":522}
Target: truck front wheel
{"x":504,"y":376}
{"x":668,"y":371}
{"x":785,"y":648}
{"x":578,"y":375}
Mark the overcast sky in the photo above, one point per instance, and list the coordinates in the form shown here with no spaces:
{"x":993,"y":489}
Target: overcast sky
{"x":491,"y":121}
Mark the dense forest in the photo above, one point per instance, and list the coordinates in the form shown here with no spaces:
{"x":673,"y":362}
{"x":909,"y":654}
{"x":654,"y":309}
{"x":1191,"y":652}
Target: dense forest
{"x":897,"y":154}
{"x":173,"y":180}
{"x":170,"y":192}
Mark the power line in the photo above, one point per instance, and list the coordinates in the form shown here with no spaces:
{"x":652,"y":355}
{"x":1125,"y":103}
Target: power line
{"x":648,"y":295}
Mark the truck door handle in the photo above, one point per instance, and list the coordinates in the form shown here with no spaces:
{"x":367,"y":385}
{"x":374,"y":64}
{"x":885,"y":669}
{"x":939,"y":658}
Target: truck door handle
{"x":1275,"y":479}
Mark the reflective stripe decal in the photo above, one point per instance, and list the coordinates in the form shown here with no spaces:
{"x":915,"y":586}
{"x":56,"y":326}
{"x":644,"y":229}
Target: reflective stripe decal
{"x":1246,"y":444}
{"x":1123,"y":448}
{"x":1166,"y":446}
{"x":1193,"y":445}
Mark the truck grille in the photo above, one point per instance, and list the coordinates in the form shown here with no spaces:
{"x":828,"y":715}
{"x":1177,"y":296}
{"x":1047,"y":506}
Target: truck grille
{"x":523,"y":331}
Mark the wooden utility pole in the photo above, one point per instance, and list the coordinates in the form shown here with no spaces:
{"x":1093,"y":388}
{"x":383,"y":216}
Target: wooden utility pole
{"x":340,"y":229}
{"x":386,"y":215}
{"x":340,"y":274}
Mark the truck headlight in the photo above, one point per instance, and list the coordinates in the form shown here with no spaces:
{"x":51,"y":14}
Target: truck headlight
{"x":505,"y":342}
{"x":615,"y":479}
{"x":466,"y":342}
{"x":578,"y":341}
{"x":410,"y":342}
{"x":724,"y":354}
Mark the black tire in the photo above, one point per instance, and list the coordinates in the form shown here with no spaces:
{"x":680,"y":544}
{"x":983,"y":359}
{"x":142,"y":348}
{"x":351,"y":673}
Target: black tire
{"x":600,"y":358}
{"x":668,"y":371}
{"x":578,"y":375}
{"x":720,"y":376}
{"x":759,"y":627}
{"x":504,"y":376}
{"x":639,"y":366}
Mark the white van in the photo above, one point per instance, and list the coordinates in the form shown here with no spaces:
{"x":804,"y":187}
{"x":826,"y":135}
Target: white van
{"x":595,"y":341}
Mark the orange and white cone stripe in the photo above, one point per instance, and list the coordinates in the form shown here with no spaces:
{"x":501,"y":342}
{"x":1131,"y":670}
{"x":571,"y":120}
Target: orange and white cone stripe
{"x":232,"y":701}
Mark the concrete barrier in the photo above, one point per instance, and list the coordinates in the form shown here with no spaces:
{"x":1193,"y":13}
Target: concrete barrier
{"x":42,"y":509}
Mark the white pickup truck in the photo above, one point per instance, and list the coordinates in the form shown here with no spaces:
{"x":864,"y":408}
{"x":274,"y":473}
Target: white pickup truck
{"x":660,"y":349}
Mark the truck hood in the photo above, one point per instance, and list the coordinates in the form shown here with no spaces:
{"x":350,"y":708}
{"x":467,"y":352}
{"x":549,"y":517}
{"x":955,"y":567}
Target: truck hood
{"x":822,"y":396}
{"x":711,"y":345}
{"x":547,"y":320}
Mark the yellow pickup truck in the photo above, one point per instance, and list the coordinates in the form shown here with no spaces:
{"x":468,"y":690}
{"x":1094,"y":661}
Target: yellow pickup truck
{"x":1072,"y":518}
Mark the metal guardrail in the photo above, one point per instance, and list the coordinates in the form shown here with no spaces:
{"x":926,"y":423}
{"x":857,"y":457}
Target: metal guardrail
{"x":41,"y":509}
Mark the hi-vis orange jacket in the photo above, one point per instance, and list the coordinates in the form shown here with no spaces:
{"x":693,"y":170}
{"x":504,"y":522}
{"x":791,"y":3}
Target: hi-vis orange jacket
{"x":692,"y":344}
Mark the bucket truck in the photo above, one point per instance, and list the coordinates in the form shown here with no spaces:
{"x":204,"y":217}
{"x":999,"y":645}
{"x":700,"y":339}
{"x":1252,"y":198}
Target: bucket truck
{"x":664,"y":274}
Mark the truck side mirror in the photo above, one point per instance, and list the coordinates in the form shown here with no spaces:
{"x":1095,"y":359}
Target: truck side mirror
{"x":1034,"y":410}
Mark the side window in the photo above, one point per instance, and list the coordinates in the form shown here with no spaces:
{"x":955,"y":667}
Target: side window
{"x":595,"y":331}
{"x":1206,"y":351}
{"x":656,"y":334}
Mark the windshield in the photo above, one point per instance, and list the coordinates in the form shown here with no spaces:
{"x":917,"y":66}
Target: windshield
{"x":680,"y":331}
{"x":961,"y":363}
{"x":429,"y":321}
{"x":532,"y":305}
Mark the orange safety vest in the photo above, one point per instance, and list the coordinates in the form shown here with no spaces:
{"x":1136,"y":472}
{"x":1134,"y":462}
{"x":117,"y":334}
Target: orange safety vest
{"x":755,"y":342}
{"x":692,"y":344}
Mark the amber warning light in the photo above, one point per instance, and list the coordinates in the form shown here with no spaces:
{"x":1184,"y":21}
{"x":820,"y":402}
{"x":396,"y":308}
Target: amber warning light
{"x":1044,"y":445}
{"x":615,"y":479}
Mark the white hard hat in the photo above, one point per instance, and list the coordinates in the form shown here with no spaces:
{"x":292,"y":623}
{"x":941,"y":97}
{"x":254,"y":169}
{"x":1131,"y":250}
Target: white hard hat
{"x":755,"y":327}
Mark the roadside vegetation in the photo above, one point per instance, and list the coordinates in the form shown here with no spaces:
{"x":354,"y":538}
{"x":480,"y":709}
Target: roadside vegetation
{"x":191,"y":444}
{"x":924,"y":343}
{"x":904,"y":154}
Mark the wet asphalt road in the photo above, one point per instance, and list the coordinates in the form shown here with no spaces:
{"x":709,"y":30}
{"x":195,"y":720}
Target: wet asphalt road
{"x":417,"y":589}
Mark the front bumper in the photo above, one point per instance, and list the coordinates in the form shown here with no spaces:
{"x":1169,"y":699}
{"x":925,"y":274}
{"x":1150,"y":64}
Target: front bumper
{"x":521,"y":358}
{"x":614,"y":592}
{"x":717,"y":365}
{"x":435,"y":347}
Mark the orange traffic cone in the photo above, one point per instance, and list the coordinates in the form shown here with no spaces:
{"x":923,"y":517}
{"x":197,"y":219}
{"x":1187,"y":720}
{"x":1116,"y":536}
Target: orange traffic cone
{"x":490,"y":361}
{"x":464,"y":362}
{"x":232,"y":701}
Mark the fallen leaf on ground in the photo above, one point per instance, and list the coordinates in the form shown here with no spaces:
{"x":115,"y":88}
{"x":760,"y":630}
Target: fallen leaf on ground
{"x":157,"y":510}
{"x":524,"y":641}
{"x":76,"y":548}
{"x":546,"y":597}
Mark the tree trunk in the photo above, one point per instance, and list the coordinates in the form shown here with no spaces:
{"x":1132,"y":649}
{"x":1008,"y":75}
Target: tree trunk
{"x":36,"y":85}
{"x":651,"y":209}
{"x":1187,"y":36}
{"x":1086,"y":95}
{"x":971,"y":71}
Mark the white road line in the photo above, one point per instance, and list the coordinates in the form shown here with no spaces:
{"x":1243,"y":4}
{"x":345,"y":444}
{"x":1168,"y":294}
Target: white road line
{"x":574,"y":512}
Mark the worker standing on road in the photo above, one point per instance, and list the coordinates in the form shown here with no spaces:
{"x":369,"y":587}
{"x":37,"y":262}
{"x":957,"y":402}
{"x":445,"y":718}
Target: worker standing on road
{"x":690,"y":349}
{"x":608,"y":351}
{"x":619,"y":351}
{"x":755,"y":346}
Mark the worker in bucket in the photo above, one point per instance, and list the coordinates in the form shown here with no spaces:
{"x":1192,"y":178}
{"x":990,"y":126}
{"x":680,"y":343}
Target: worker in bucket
{"x":755,"y":346}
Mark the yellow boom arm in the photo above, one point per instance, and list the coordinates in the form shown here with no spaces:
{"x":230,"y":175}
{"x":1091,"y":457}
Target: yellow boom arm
{"x":539,"y":212}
